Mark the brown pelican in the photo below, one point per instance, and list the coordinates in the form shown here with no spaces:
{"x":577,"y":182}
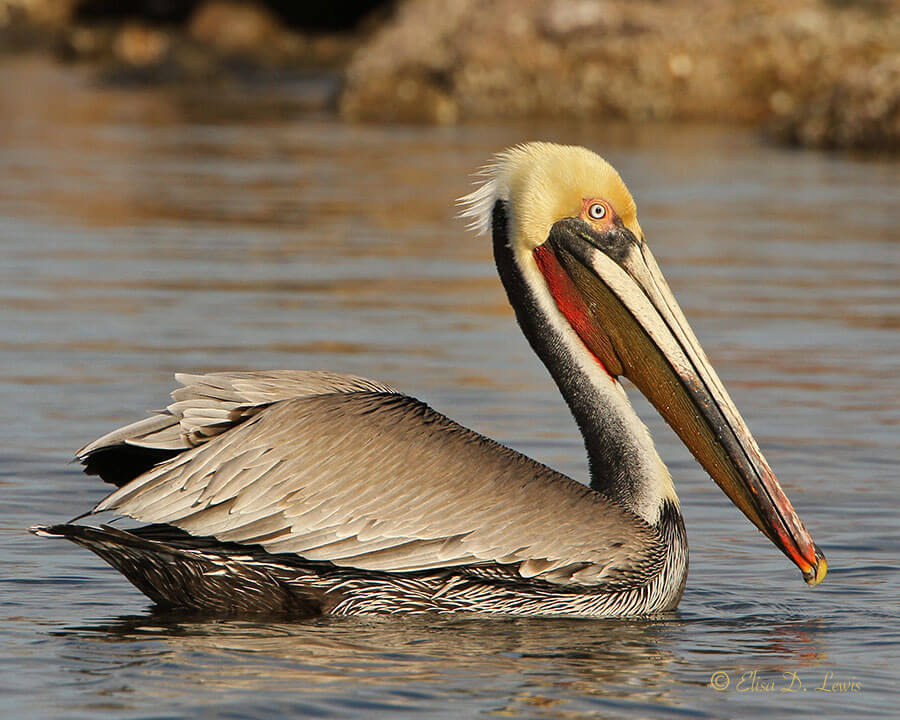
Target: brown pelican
{"x":310,"y":492}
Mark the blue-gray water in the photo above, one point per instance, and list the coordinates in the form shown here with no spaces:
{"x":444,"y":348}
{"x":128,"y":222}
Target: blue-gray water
{"x":144,"y":233}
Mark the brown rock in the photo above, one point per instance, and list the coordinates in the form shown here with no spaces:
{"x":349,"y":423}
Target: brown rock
{"x":140,"y":46}
{"x":234,"y":28}
{"x":821,"y":73}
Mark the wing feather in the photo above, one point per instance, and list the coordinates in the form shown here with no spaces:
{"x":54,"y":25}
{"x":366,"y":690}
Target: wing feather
{"x":208,"y":405}
{"x":372,"y":479}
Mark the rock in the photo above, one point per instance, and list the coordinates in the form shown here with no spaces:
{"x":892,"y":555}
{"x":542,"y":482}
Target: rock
{"x":860,"y":111}
{"x":562,"y":18}
{"x":403,"y":75}
{"x":817,"y":73}
{"x":140,"y":46}
{"x":46,"y":13}
{"x":233,"y":27}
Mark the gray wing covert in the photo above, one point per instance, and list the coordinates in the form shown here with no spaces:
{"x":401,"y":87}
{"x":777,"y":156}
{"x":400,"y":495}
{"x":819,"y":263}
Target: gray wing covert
{"x":210,"y":404}
{"x":379,"y":481}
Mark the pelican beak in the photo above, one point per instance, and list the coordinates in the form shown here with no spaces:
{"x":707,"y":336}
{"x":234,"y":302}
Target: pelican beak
{"x":630,"y":321}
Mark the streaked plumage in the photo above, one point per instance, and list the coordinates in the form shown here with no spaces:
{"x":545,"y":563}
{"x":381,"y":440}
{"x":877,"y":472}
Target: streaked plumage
{"x":310,"y":492}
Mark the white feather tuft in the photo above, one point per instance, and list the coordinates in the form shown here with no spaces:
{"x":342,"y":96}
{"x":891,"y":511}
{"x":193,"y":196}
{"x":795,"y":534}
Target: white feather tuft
{"x":478,"y":206}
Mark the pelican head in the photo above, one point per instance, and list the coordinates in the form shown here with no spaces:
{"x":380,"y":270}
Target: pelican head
{"x":571,"y":228}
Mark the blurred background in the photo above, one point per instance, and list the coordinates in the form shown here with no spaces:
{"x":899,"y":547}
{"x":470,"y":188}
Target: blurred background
{"x":814,"y":73}
{"x":201,"y":186}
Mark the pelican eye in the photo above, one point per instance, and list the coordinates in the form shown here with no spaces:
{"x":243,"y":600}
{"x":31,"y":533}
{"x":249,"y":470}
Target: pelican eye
{"x":597,"y":211}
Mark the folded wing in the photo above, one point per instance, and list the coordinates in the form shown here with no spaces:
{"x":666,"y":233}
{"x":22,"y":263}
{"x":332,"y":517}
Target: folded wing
{"x":345,"y":470}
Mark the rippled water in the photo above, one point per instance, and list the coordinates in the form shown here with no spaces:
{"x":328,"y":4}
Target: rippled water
{"x":143,"y":233}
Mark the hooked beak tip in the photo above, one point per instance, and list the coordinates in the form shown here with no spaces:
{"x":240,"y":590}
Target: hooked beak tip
{"x":815,"y":574}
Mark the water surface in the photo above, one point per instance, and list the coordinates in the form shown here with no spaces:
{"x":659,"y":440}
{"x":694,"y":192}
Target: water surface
{"x":144,"y":233}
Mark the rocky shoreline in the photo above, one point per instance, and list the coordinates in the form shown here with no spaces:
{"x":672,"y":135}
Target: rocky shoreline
{"x":810,"y":73}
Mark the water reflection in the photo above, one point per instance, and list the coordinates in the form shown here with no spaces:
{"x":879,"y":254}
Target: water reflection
{"x":417,"y":664}
{"x":608,"y":658}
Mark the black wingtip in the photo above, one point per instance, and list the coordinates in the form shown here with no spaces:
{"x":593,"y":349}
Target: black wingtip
{"x":46,"y":531}
{"x":120,"y":464}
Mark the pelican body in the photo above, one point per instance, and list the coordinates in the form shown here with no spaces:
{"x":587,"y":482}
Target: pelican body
{"x":305,"y":493}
